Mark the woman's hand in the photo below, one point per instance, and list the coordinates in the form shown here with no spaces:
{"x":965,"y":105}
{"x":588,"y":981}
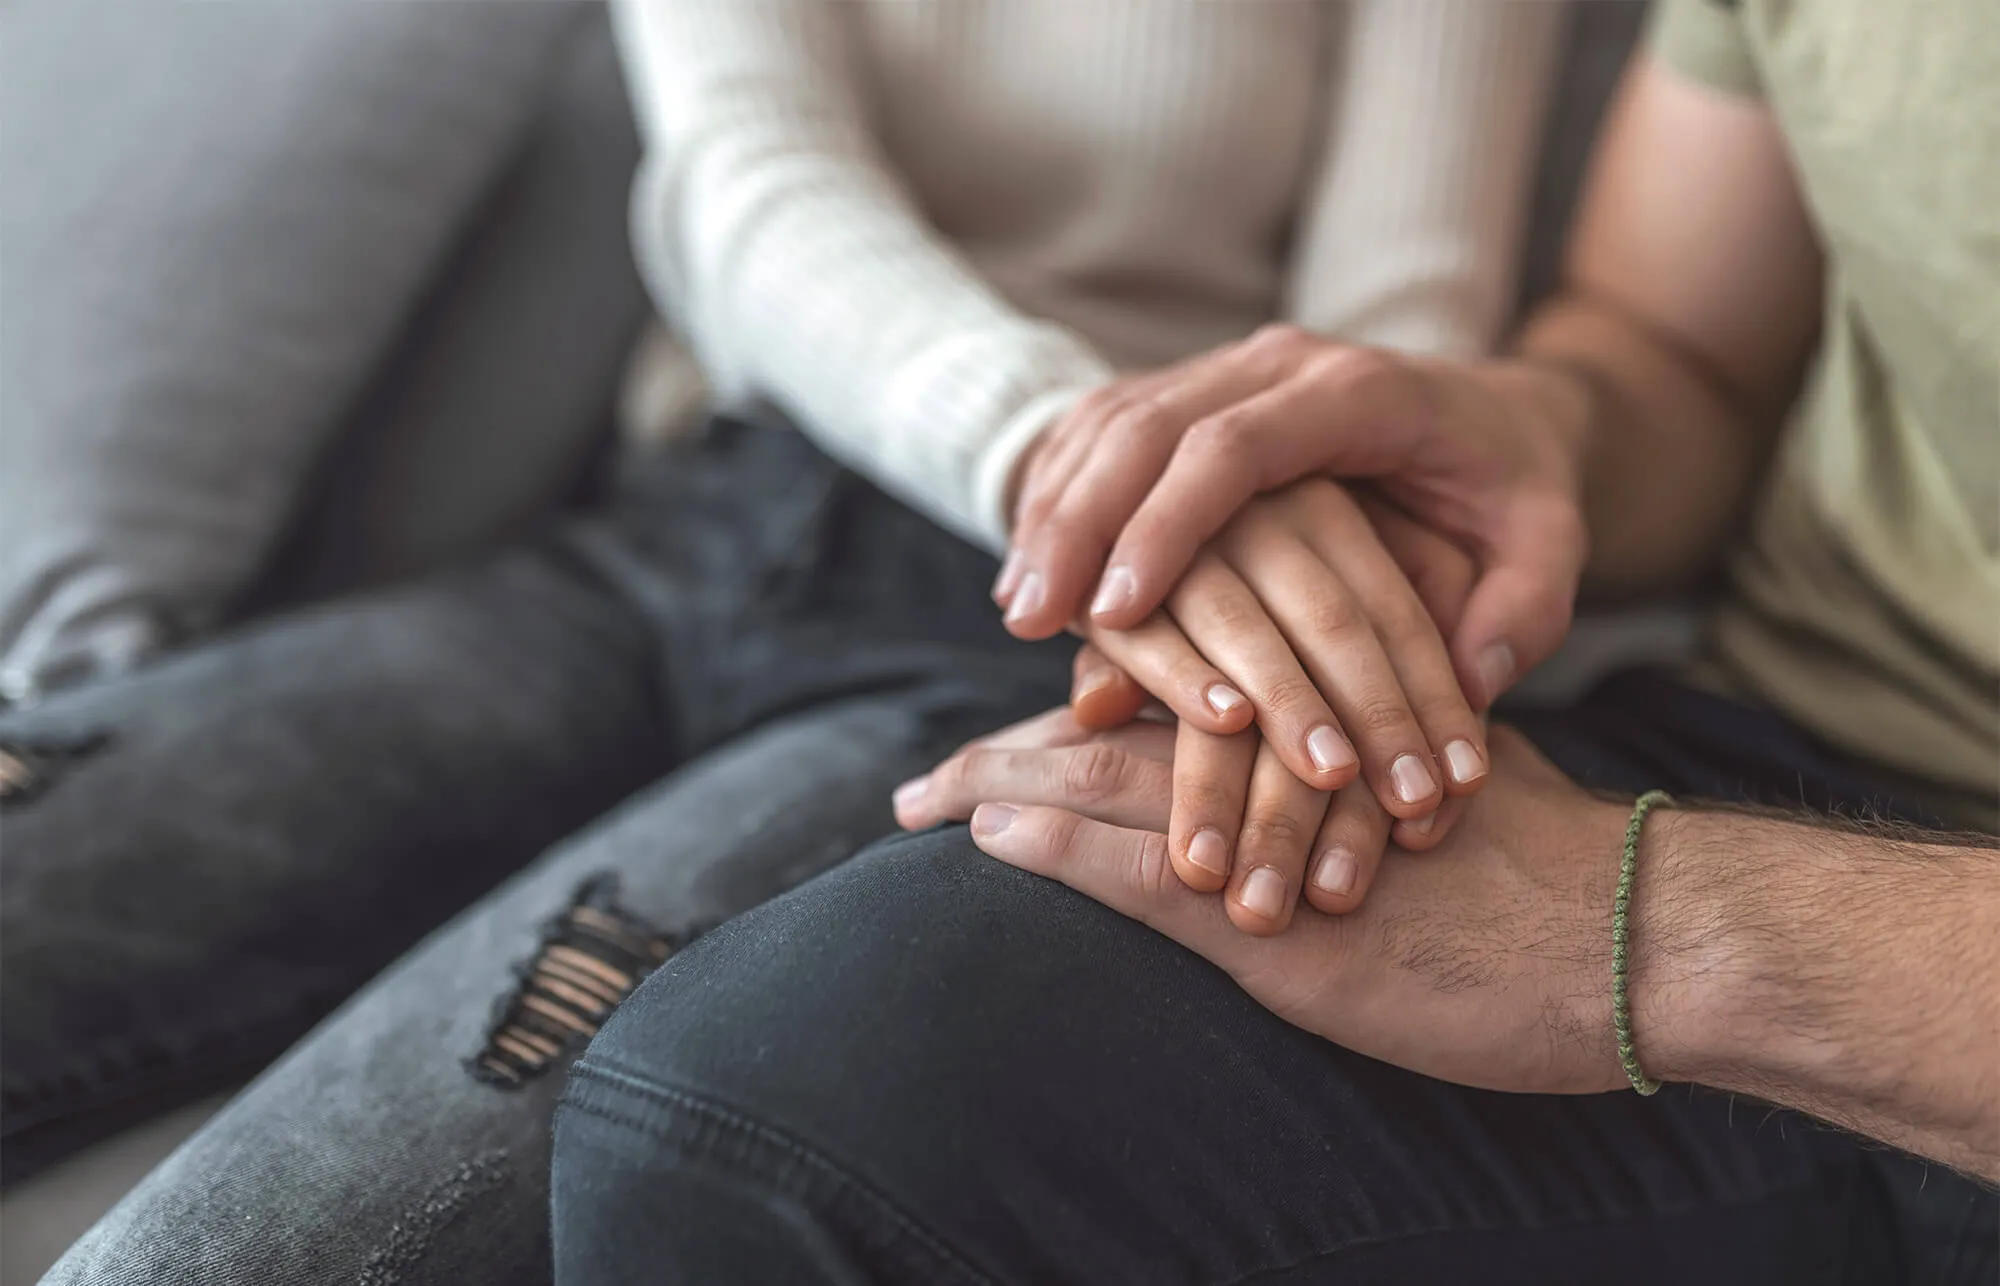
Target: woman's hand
{"x":1323,"y":616}
{"x":1118,"y":499}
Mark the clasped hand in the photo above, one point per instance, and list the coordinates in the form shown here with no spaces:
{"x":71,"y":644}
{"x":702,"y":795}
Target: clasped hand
{"x":1330,"y":610}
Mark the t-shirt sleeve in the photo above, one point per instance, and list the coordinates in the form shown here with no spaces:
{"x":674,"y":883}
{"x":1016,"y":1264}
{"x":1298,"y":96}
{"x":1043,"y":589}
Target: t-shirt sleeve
{"x":1705,"y":41}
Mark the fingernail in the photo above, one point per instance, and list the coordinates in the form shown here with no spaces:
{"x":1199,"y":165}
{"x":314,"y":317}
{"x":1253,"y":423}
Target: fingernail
{"x":1422,"y":826}
{"x":1118,"y":588}
{"x":1027,"y":599}
{"x":1209,"y":851}
{"x":1010,"y":574}
{"x":1222,"y":698}
{"x":1496,"y":670}
{"x":1264,"y":893}
{"x":1095,"y":681}
{"x":1463,"y":762}
{"x":911,"y":792}
{"x":1328,"y":750}
{"x":991,"y":819}
{"x":1336,"y":871}
{"x":1412,"y":781}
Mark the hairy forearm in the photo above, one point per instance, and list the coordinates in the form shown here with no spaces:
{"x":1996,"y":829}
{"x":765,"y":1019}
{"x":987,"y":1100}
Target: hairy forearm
{"x":1670,"y":454}
{"x":1853,"y":974}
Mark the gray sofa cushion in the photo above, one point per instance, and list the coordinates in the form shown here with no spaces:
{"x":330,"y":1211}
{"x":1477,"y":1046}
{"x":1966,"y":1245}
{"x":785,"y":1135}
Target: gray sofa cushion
{"x":499,"y":392}
{"x":216,"y":218}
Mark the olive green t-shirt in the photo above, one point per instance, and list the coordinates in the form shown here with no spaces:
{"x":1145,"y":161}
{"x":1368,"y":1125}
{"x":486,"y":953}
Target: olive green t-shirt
{"x":1865,"y":602}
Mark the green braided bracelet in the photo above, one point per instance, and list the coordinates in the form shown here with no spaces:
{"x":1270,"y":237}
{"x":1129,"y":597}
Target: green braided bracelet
{"x":1621,"y":1001}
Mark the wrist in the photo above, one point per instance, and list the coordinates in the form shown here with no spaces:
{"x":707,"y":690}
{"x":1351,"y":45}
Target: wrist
{"x":1684,"y":965}
{"x":1845,"y":973}
{"x":1560,"y":399}
{"x":1714,"y":959}
{"x":1006,"y":462}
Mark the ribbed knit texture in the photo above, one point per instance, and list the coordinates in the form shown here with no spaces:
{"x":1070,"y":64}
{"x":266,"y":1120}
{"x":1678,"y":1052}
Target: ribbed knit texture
{"x":926,"y":227}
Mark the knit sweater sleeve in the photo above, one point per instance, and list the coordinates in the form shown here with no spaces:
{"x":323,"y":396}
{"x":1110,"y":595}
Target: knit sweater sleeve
{"x":770,"y":228}
{"x":1410,"y":237}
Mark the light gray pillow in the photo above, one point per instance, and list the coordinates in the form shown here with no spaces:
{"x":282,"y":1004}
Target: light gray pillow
{"x":214,"y":219}
{"x":498,"y":398}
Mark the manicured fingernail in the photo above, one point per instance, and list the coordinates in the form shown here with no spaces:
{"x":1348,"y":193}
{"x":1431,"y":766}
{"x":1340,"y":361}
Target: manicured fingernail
{"x":1328,"y":750}
{"x":1412,"y":781}
{"x":991,"y":819}
{"x":911,"y":792}
{"x":1118,"y":588}
{"x":1010,"y":574}
{"x":1422,"y":826}
{"x":1336,"y":871}
{"x":1222,"y":698}
{"x":1496,"y":670}
{"x":1028,"y":598}
{"x":1463,"y":763}
{"x":1209,"y":851}
{"x":1264,"y":892}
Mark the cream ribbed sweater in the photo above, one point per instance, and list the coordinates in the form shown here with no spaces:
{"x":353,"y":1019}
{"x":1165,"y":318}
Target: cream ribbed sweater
{"x":925,"y":227}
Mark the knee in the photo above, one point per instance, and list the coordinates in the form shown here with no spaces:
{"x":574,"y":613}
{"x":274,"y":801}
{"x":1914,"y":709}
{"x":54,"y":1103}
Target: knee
{"x":898,"y":959}
{"x":832,"y":1034}
{"x":897,"y":1019}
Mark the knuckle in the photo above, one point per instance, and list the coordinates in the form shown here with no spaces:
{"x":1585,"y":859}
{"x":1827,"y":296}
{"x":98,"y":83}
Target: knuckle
{"x":1332,"y":615}
{"x":1154,"y":869}
{"x":1230,"y":612}
{"x":1382,"y":717}
{"x":1269,"y":832}
{"x":1143,"y":419}
{"x":1061,"y":834}
{"x":1292,"y":695}
{"x":1351,"y":368}
{"x":1281,"y":336}
{"x":1216,"y":436}
{"x":1093,"y":773}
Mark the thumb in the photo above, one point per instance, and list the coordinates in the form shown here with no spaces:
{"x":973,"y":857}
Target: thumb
{"x":1101,"y":693}
{"x":1520,"y":609}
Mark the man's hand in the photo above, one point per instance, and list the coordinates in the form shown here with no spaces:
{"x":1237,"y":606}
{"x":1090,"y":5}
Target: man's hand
{"x":1490,"y":454}
{"x":1844,"y":972}
{"x":1127,"y":776}
{"x":1486,"y":961}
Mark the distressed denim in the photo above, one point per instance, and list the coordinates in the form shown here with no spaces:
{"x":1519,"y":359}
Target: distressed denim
{"x":929,"y":1067}
{"x":642,"y":723}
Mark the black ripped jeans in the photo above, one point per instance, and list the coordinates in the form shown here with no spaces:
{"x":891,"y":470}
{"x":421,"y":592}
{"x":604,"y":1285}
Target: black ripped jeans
{"x":644,"y":722}
{"x":929,"y":1067}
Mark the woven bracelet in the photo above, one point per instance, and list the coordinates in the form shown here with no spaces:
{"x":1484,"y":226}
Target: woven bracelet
{"x":1621,"y":1001}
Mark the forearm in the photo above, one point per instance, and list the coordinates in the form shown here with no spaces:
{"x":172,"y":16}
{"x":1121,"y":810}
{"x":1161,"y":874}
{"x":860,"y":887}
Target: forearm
{"x":1853,"y":975}
{"x":1409,"y":236}
{"x":771,"y":226}
{"x":1689,"y":312}
{"x":1670,"y":455}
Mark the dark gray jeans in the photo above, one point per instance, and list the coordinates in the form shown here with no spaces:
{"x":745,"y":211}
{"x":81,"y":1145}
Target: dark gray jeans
{"x":926,"y":1067}
{"x":738,"y":659}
